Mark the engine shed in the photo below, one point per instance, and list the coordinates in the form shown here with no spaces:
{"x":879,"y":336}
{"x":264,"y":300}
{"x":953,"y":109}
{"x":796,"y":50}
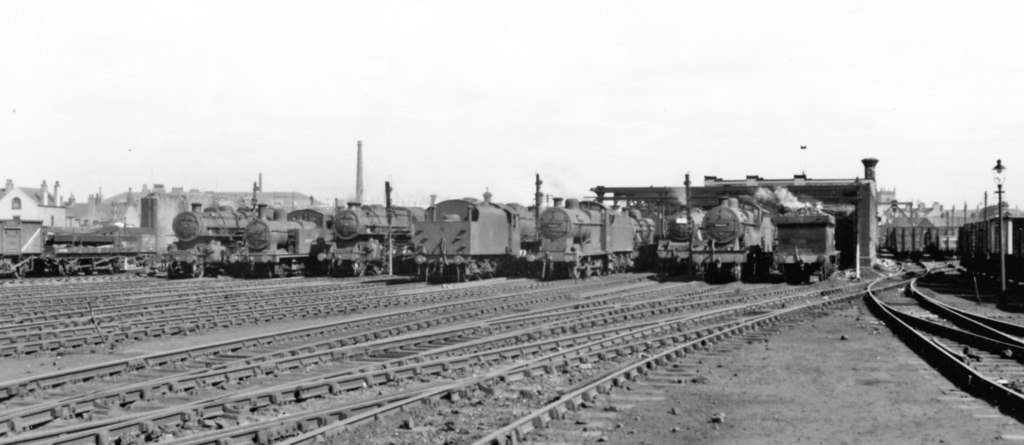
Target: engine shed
{"x":852,"y":201}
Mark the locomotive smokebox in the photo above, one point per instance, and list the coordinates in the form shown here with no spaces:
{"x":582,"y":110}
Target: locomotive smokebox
{"x":196,"y":206}
{"x":556,"y":202}
{"x":352,"y":205}
{"x":869,"y":168}
{"x":572,"y":203}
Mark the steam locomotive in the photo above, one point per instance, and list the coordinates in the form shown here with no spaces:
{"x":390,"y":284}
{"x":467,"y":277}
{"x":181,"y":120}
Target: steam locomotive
{"x":674,"y":249}
{"x":738,"y":242}
{"x":285,"y":244}
{"x":463,"y":239}
{"x":588,"y":238}
{"x":360,"y":235}
{"x":208,"y":241}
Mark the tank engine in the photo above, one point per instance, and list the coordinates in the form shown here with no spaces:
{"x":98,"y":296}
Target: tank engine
{"x":289,"y":244}
{"x":208,"y":241}
{"x":806,"y":246}
{"x":360,"y":234}
{"x":588,"y":238}
{"x":681,"y":236}
{"x":738,"y":242}
{"x":463,"y":239}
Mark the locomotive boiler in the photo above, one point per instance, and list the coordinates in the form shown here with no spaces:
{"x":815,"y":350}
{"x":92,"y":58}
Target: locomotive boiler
{"x":738,"y":242}
{"x":208,"y":241}
{"x":587,"y":238}
{"x":360,"y":234}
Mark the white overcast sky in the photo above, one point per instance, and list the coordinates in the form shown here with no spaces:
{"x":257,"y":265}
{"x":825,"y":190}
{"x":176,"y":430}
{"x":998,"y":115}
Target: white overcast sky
{"x":452,"y":97}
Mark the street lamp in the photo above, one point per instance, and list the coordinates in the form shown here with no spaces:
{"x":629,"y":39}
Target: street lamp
{"x":999,"y":175}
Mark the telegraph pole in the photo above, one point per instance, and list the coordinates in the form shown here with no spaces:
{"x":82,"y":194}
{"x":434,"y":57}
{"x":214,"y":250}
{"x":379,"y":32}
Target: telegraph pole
{"x":689,"y":221}
{"x":387,"y":200}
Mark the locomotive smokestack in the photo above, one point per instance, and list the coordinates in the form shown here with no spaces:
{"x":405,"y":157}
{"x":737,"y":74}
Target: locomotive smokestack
{"x":359,"y":171}
{"x":354,"y":205}
{"x":734,"y":203}
{"x":261,"y":211}
{"x":869,"y":168}
{"x":723,"y":201}
{"x":572,"y":203}
{"x":196,"y":207}
{"x":487,"y":195}
{"x":556,"y":202}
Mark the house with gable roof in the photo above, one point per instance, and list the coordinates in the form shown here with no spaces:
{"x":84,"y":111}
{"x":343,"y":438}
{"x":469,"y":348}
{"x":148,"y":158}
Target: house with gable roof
{"x":33,"y":204}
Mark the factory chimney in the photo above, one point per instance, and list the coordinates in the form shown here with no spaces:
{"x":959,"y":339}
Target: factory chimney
{"x":869,"y":168}
{"x":538,"y":199}
{"x":359,"y":171}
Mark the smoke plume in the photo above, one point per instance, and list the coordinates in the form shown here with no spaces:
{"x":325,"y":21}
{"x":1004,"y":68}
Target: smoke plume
{"x":779,"y":200}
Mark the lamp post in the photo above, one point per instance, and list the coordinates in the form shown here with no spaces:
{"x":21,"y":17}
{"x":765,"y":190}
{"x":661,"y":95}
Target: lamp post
{"x":999,"y":175}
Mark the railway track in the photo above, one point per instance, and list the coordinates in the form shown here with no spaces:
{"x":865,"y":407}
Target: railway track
{"x":228,"y":362}
{"x":269,"y":305}
{"x":982,"y":355}
{"x":603,"y":325}
{"x":461,"y":343}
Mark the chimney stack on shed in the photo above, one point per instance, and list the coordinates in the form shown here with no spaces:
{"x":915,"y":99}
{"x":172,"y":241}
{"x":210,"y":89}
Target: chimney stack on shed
{"x":9,"y":185}
{"x":56,"y":194}
{"x":44,"y":190}
{"x":869,"y":168}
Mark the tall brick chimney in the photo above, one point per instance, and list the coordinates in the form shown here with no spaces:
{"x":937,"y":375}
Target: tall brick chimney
{"x":359,"y":171}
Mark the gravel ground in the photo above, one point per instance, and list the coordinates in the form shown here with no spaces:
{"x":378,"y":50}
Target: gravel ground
{"x":805,"y":385}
